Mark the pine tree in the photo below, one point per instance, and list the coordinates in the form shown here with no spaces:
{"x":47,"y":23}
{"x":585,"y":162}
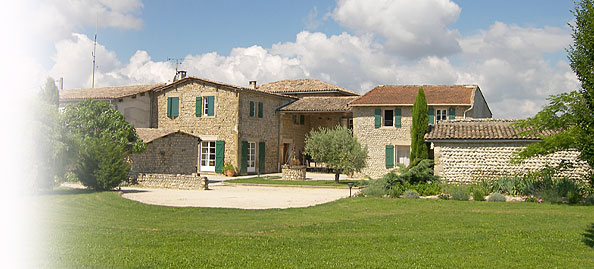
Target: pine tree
{"x":418,"y":147}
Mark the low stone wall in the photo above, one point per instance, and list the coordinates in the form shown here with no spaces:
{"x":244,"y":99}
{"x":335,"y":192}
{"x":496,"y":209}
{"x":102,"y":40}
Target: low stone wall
{"x":173,"y":181}
{"x":471,"y":162}
{"x":293,"y":173}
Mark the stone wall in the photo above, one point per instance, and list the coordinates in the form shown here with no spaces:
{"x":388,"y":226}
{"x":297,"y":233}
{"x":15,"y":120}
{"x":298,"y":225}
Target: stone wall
{"x":265,"y":129}
{"x":469,"y":162}
{"x":173,"y":154}
{"x":173,"y":181}
{"x":376,"y":139}
{"x":293,"y":173}
{"x":135,"y":109}
{"x":222,"y":126}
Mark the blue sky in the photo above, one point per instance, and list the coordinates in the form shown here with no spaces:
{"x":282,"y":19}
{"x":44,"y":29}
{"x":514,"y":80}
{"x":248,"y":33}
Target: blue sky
{"x":514,"y":50}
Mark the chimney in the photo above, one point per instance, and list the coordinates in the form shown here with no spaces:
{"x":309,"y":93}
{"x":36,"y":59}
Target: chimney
{"x":179,"y":75}
{"x":253,"y":84}
{"x":61,"y":83}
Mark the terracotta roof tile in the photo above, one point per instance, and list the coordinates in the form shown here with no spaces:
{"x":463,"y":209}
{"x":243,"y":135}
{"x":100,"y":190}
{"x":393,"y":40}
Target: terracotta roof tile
{"x":106,"y":92}
{"x":150,"y":134}
{"x":303,"y":85}
{"x":477,"y":129}
{"x":406,"y":95}
{"x":321,"y":104}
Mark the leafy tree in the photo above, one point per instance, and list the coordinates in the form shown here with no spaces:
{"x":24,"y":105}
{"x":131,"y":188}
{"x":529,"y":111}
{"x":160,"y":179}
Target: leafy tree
{"x":100,"y":138}
{"x":418,"y":147}
{"x":50,"y":92}
{"x":337,"y":148}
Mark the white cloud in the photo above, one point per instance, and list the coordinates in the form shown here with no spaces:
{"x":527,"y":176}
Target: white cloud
{"x":411,"y":28}
{"x":57,"y":19}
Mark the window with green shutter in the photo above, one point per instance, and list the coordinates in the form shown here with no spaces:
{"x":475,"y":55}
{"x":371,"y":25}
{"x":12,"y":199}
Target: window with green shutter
{"x":219,"y":155}
{"x":397,"y":117}
{"x":244,"y":158}
{"x":198,"y":106}
{"x":262,"y":157}
{"x":378,"y":117}
{"x":252,"y":109}
{"x":172,"y":107}
{"x":389,"y":156}
{"x":211,"y":105}
{"x":260,"y":109}
{"x":431,"y":114}
{"x":452,"y":113}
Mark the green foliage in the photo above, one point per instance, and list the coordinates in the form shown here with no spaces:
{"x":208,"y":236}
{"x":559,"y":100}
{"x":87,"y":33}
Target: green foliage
{"x":496,"y":197}
{"x":570,"y":116}
{"x":418,"y":147}
{"x":49,"y":94}
{"x":376,"y":188}
{"x":337,"y":148}
{"x":419,"y":178}
{"x":410,"y":194}
{"x":100,"y":139}
{"x":478,"y":192}
{"x":101,"y":165}
{"x":229,"y":167}
{"x":420,"y":173}
{"x":458,"y":192}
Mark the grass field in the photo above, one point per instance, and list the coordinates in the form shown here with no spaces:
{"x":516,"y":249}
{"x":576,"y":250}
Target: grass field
{"x":104,"y":230}
{"x":330,"y":183}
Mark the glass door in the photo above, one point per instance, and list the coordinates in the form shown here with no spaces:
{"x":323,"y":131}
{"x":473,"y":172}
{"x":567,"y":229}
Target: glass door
{"x":207,"y":156}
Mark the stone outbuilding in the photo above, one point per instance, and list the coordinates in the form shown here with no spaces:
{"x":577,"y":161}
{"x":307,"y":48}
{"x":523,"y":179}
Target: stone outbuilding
{"x":168,"y":151}
{"x":469,"y":150}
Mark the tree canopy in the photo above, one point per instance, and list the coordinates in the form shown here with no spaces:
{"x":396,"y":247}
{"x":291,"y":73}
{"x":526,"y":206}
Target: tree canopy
{"x":570,"y":116}
{"x":337,"y":148}
{"x":418,"y":147}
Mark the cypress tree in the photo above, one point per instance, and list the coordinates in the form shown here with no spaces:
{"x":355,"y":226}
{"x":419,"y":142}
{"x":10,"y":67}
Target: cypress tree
{"x":418,"y":147}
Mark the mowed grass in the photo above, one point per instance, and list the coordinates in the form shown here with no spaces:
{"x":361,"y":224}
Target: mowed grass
{"x":105,"y":230}
{"x":265,"y":181}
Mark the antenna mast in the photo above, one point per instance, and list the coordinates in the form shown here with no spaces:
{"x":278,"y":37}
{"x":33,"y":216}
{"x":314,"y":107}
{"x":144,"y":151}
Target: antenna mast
{"x":177,"y":61}
{"x":94,"y":48}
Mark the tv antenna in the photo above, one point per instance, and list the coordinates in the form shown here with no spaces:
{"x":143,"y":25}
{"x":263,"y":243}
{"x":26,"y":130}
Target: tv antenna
{"x":177,"y":61}
{"x":94,"y":49}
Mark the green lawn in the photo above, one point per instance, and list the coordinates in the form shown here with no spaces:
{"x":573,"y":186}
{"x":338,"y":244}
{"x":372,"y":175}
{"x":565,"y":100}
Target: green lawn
{"x":260,"y":180}
{"x":104,"y":230}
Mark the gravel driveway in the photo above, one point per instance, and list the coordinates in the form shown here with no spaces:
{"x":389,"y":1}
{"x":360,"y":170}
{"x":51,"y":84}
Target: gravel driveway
{"x":237,"y":196}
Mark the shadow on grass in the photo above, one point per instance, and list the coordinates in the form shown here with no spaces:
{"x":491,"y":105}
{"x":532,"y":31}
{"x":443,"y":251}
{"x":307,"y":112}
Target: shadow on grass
{"x":133,"y":191}
{"x":67,"y":191}
{"x":589,"y":236}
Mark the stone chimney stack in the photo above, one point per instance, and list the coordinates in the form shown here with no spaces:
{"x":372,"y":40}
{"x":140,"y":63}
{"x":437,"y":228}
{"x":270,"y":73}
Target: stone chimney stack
{"x":253,"y":84}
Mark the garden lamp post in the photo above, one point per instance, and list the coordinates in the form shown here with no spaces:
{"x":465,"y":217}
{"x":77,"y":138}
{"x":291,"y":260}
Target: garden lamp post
{"x":350,"y":187}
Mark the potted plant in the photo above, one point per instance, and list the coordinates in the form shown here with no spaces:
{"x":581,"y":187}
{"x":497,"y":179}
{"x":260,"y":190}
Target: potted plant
{"x":229,"y":170}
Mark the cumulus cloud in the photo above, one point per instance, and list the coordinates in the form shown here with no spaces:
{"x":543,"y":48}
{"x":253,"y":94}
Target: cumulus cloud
{"x":57,"y":19}
{"x":411,"y":28}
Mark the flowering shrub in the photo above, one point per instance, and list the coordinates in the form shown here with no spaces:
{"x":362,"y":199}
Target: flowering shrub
{"x":531,"y":198}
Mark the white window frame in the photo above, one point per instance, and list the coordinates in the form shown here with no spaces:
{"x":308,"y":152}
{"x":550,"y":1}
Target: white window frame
{"x":441,"y":112}
{"x":207,"y":150}
{"x":251,"y":157}
{"x":397,"y":155}
{"x":205,"y":106}
{"x":384,"y":118}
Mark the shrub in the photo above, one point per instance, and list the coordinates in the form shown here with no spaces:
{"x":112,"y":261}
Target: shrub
{"x":550,"y":195}
{"x":478,"y":192}
{"x":496,"y":197}
{"x":395,"y":191}
{"x":376,"y":187}
{"x":101,"y":165}
{"x":410,"y":194}
{"x":419,"y":178}
{"x":589,"y":200}
{"x":228,"y":167}
{"x":443,"y":196}
{"x":458,"y":192}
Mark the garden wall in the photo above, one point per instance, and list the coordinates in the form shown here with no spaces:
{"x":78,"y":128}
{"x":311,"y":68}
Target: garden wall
{"x":173,"y":181}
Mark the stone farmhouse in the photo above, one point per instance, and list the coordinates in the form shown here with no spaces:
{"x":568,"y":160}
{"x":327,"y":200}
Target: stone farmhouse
{"x":195,"y":125}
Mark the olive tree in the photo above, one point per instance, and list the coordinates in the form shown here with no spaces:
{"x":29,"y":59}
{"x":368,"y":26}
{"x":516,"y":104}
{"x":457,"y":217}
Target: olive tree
{"x":337,"y":148}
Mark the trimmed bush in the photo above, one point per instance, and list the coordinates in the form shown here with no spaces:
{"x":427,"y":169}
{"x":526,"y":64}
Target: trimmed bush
{"x":410,"y":194}
{"x":458,"y":192}
{"x":496,"y":197}
{"x":478,"y":194}
{"x":376,"y":188}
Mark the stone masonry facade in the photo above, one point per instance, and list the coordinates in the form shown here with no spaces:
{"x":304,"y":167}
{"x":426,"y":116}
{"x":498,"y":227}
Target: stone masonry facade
{"x":173,"y":154}
{"x":471,"y":162}
{"x":173,"y":181}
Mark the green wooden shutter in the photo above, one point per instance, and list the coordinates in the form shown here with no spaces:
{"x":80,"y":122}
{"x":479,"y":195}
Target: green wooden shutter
{"x":452,"y":113}
{"x":198,"y":106}
{"x":262,"y":157}
{"x":252,"y":109}
{"x":302,"y":119}
{"x":431,"y":112}
{"x":378,"y":118}
{"x":168,"y":106}
{"x":260,"y":109}
{"x":389,"y":156}
{"x":174,"y":106}
{"x":244,"y":153}
{"x":211,"y":105}
{"x":397,"y":117}
{"x":219,"y":155}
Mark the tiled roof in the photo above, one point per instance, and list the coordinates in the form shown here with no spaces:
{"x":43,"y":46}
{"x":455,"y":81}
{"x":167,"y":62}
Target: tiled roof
{"x":303,"y":85}
{"x":321,"y":104}
{"x":150,"y":134}
{"x":239,"y":88}
{"x":106,"y":92}
{"x":406,"y":95}
{"x":477,"y":129}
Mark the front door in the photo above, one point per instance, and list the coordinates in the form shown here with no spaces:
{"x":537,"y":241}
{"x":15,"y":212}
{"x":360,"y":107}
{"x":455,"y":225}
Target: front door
{"x":251,"y":157}
{"x":207,"y":156}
